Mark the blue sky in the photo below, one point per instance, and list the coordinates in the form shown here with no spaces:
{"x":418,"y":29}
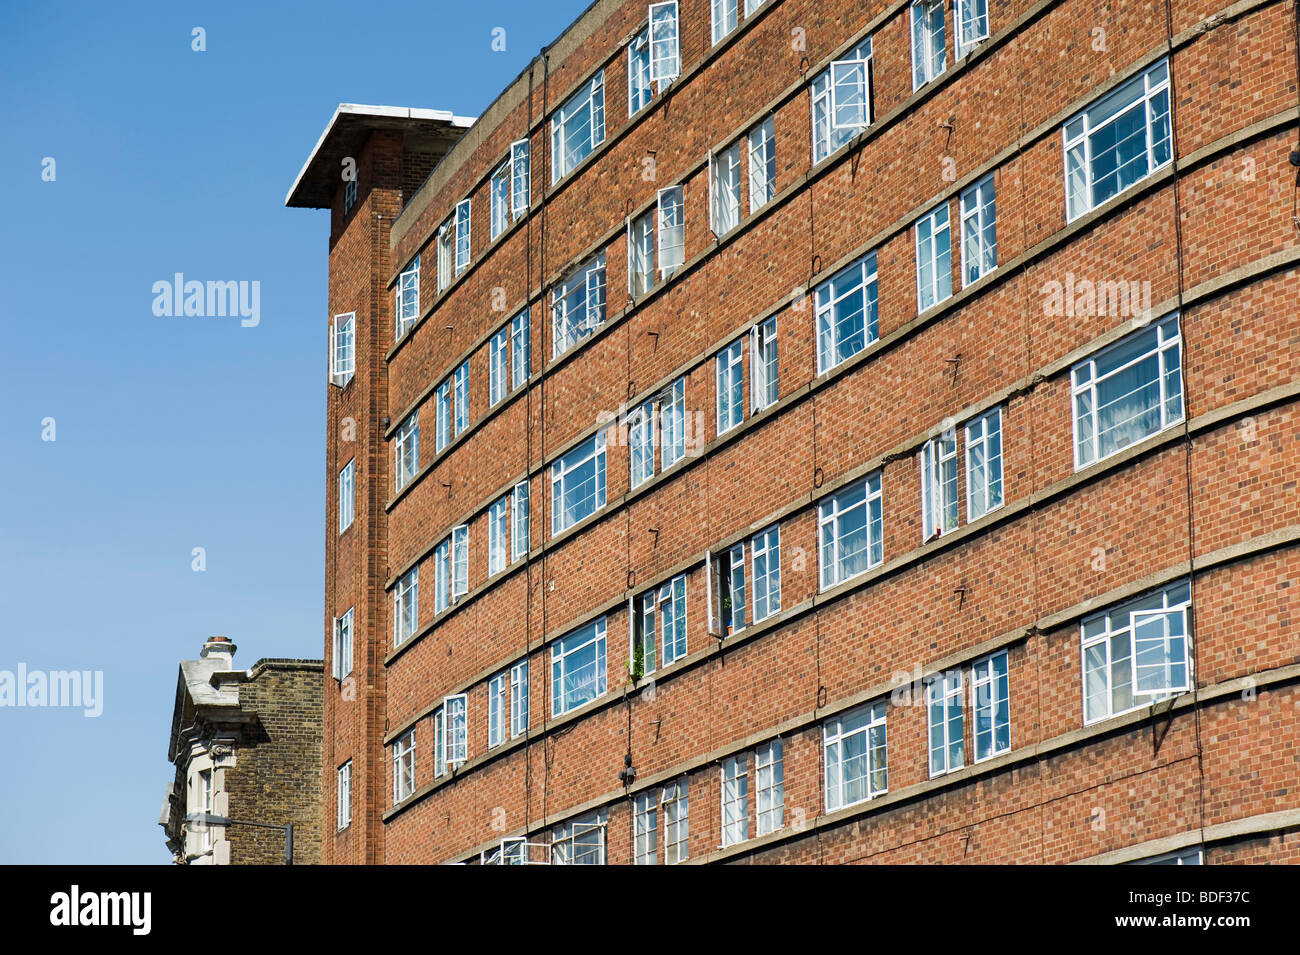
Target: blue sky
{"x":175,"y":433}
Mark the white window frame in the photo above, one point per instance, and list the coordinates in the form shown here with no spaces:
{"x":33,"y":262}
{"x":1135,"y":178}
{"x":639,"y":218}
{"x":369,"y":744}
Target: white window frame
{"x":929,"y":259}
{"x":460,"y":392}
{"x":645,"y":837}
{"x":761,"y":140}
{"x":442,"y":576}
{"x":439,"y":742}
{"x":979,"y":231}
{"x":1117,"y":627}
{"x":456,"y":714}
{"x":499,"y":200}
{"x":1167,"y":348}
{"x":831,"y":511}
{"x":463,"y":209}
{"x":406,"y":606}
{"x":724,"y":17}
{"x":406,"y":450}
{"x":665,"y":42}
{"x":764,"y":364}
{"x":670,"y":238}
{"x":641,"y":271}
{"x":828,"y":298}
{"x":1078,"y":132}
{"x":519,"y":521}
{"x":408,"y":297}
{"x":459,"y":561}
{"x":984,"y":488}
{"x":342,"y":647}
{"x":765,"y":546}
{"x":675,"y":808}
{"x":445,"y":245}
{"x":562,"y":651}
{"x":850,"y":94}
{"x":672,"y":423}
{"x":499,"y":535}
{"x":938,"y":465}
{"x":521,"y":189}
{"x":593,"y":449}
{"x":578,"y":305}
{"x":343,"y":813}
{"x":520,"y":348}
{"x":519,"y":699}
{"x":929,"y":42}
{"x":945,"y":710}
{"x":497,"y":710}
{"x":343,"y":339}
{"x":347,"y":495}
{"x":724,"y":190}
{"x":498,"y":366}
{"x":769,"y":787}
{"x":972,"y":13}
{"x":641,"y":440}
{"x":587,"y":108}
{"x":404,"y":766}
{"x":731,"y":385}
{"x":826,"y":139}
{"x":835,"y":735}
{"x":734,"y":790}
{"x":442,"y":416}
{"x":987,"y":696}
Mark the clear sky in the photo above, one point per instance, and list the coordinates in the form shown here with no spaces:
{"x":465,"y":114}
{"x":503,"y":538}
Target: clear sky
{"x":172,"y":434}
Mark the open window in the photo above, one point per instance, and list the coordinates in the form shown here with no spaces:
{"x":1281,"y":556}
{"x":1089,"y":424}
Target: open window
{"x":1160,"y":652}
{"x":665,"y":42}
{"x":456,"y":714}
{"x":672,"y":229}
{"x":850,"y":104}
{"x":726,"y":591}
{"x":342,"y":349}
{"x":519,"y":178}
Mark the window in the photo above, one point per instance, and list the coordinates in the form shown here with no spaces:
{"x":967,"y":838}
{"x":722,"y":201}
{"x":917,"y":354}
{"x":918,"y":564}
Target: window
{"x":445,"y":242}
{"x":641,"y":443}
{"x":674,"y":803}
{"x":440,"y":741}
{"x":724,"y":190}
{"x":735,"y":800}
{"x":1127,"y":392}
{"x":929,"y":46}
{"x":983,"y":464}
{"x":763,"y":364}
{"x":343,"y":817}
{"x":406,"y":606}
{"x":442,"y":576}
{"x":343,"y":645}
{"x":499,"y":196}
{"x":578,"y":484}
{"x":646,"y":848}
{"x":1192,"y":856}
{"x":665,"y":45}
{"x":769,"y":787}
{"x":404,"y":766}
{"x":726,"y":576}
{"x":849,"y":529}
{"x":349,"y":195}
{"x":846,"y":313}
{"x":519,"y":699}
{"x":762,"y":163}
{"x":850,"y":94}
{"x":1136,"y":653}
{"x":520,"y":349}
{"x":765,"y":550}
{"x":462,"y":397}
{"x":724,"y":16}
{"x":659,"y":614}
{"x":1118,"y":141}
{"x":731,"y":387}
{"x":456,"y":712}
{"x":408,"y":297}
{"x":407,"y":449}
{"x":580,"y":841}
{"x":826,"y":136}
{"x":496,"y":710}
{"x":578,"y":127}
{"x":640,"y":89}
{"x":943,"y":702}
{"x":578,"y":668}
{"x":578,"y":305}
{"x":498,"y":366}
{"x":672,"y":423}
{"x":972,"y":24}
{"x":939,"y":485}
{"x":459,"y":561}
{"x":933,"y":259}
{"x":990,"y":696}
{"x":519,"y":513}
{"x":979,"y":231}
{"x":343,"y":342}
{"x":207,"y":797}
{"x":672,"y":230}
{"x":462,"y":235}
{"x":641,"y":255}
{"x":855,"y":756}
{"x":521,"y":167}
{"x":498,"y":535}
{"x":346,"y":494}
{"x":442,"y":422}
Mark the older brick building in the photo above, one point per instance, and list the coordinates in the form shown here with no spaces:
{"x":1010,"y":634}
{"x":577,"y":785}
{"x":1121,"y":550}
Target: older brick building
{"x":246,"y":745}
{"x":822,"y":431}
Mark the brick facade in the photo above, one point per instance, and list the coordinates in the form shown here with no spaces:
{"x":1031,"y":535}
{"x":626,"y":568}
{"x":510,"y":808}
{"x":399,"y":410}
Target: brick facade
{"x":1209,"y":500}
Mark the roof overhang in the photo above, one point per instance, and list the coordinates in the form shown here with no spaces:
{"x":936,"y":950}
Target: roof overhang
{"x":428,"y":130}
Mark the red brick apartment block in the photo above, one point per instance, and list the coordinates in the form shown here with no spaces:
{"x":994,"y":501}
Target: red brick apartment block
{"x":822,"y":431}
